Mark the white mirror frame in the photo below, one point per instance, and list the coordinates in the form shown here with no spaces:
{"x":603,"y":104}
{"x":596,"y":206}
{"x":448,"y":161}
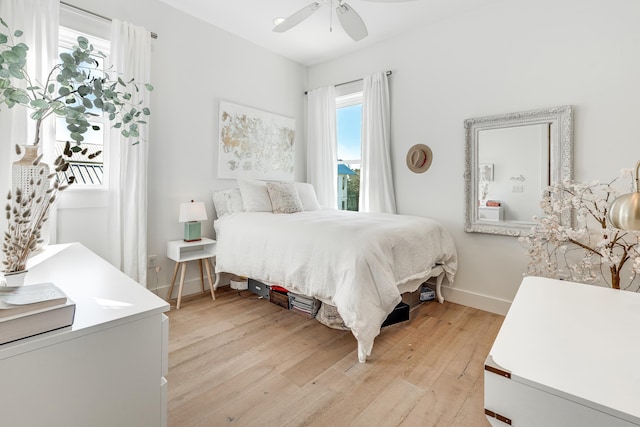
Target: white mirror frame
{"x":560,"y":161}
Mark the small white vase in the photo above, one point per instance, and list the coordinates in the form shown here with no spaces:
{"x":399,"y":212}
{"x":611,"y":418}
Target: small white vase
{"x":29,"y":178}
{"x":16,"y":278}
{"x":24,"y":172}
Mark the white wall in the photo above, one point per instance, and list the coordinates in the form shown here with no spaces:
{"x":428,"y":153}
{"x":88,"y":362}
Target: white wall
{"x":194,"y":66}
{"x":509,"y":56}
{"x":513,"y":55}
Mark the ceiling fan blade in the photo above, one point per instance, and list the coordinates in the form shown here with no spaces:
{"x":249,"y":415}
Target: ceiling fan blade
{"x":389,"y":1}
{"x":351,"y":22}
{"x":296,"y":18}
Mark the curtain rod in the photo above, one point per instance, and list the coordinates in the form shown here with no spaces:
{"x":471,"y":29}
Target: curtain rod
{"x":153,"y":35}
{"x":388,"y":73}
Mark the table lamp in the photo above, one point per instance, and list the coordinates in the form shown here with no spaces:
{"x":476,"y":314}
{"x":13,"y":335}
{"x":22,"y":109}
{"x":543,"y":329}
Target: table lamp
{"x":191,"y":214}
{"x":624,"y":212}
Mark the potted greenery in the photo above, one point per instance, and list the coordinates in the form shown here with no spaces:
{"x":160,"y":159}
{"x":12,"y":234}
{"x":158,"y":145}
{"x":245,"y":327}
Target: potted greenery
{"x":73,"y":89}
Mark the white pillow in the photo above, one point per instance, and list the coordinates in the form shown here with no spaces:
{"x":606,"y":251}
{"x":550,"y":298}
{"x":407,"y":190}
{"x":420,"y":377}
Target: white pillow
{"x":255,"y":195}
{"x":227,"y":201}
{"x":284,"y":197}
{"x":308,"y":197}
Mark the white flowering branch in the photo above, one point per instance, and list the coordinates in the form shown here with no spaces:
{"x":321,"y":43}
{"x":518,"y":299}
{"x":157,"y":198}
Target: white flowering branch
{"x":591,"y":251}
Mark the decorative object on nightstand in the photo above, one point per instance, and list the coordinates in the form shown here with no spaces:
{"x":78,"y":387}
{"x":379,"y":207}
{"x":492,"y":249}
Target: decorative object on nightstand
{"x":182,"y":252}
{"x":191,"y":214}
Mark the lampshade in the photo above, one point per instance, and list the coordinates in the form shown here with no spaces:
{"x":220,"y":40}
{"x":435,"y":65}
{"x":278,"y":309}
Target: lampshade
{"x":193,"y":211}
{"x":624,"y":212}
{"x":191,"y":214}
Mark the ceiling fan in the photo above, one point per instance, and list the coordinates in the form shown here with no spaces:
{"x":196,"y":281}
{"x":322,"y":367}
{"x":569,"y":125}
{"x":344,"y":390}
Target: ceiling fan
{"x":351,"y":22}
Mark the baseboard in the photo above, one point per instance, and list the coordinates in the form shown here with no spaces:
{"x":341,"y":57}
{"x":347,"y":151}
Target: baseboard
{"x":191,"y":287}
{"x":475,"y":300}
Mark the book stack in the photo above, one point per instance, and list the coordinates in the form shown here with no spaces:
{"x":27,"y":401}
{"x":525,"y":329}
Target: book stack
{"x":33,"y":309}
{"x":301,"y":304}
{"x":279,"y":296}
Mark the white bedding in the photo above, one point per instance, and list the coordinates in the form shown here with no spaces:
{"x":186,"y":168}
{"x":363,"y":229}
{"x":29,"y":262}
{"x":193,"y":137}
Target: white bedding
{"x":352,"y":260}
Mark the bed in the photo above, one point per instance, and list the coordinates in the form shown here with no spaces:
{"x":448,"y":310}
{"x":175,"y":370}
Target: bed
{"x":358,"y":262}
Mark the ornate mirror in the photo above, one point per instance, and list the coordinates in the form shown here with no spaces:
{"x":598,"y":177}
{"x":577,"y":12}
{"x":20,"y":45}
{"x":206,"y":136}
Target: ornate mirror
{"x":509,"y":160}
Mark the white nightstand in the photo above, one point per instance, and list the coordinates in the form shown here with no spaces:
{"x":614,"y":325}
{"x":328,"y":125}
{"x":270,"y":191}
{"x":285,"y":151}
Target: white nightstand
{"x":182,"y":252}
{"x":490,"y":213}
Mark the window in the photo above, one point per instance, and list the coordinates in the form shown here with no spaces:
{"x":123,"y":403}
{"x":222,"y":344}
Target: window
{"x":88,"y":172}
{"x":348,"y":125}
{"x":74,"y":22}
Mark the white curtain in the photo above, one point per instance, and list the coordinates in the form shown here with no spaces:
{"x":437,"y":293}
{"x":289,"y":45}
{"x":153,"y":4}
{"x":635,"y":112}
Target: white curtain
{"x":39,"y":21}
{"x":127,"y":168}
{"x":376,"y":178}
{"x":322,"y":169}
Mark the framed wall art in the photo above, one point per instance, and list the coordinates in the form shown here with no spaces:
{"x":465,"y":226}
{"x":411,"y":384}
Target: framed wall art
{"x":485,"y":171}
{"x":255,"y":144}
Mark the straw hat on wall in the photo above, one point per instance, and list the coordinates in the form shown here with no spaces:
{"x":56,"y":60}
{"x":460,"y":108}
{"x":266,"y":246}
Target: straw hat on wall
{"x":419,"y":158}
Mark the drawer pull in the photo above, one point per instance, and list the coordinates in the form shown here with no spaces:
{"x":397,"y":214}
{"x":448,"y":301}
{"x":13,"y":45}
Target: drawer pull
{"x":497,"y":416}
{"x":497,"y":371}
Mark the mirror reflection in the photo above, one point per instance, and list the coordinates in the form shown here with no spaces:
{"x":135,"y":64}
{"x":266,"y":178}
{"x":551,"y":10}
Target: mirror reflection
{"x":511,"y":159}
{"x":513,"y":171}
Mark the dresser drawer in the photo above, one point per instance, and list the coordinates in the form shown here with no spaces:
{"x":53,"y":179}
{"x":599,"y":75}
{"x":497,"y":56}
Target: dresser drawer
{"x":550,"y":364}
{"x":526,"y":406}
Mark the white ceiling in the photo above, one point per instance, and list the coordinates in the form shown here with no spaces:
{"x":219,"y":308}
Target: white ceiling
{"x":311,"y":41}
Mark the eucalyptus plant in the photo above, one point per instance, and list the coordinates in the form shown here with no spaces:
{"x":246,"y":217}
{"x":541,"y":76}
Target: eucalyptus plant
{"x":73,"y":89}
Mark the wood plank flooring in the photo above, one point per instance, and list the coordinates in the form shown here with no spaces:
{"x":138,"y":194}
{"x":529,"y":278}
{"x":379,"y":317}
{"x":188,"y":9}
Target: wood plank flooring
{"x":242,"y":361}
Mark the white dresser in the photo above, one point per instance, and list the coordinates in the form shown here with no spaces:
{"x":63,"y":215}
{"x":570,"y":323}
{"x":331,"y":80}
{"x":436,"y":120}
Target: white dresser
{"x":108,"y":369}
{"x":567,"y":354}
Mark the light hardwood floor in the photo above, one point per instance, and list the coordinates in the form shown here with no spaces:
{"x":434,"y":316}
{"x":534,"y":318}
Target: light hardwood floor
{"x":241,"y":361}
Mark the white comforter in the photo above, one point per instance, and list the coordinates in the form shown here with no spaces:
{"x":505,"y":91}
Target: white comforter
{"x":352,"y":260}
